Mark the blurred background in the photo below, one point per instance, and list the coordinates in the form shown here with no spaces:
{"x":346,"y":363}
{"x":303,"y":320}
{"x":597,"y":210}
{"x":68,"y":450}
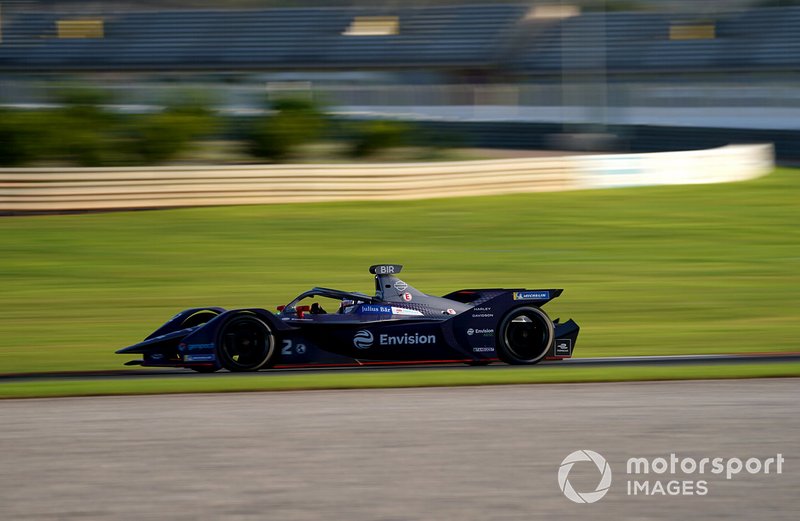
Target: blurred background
{"x":180,"y":103}
{"x":190,"y":83}
{"x":136,"y":82}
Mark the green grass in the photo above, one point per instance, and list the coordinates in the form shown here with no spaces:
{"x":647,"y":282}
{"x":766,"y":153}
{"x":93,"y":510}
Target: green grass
{"x":388,"y":379}
{"x":661,"y":270}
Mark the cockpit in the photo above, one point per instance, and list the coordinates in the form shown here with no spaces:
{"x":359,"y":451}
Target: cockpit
{"x":324,"y":301}
{"x":392,"y":296}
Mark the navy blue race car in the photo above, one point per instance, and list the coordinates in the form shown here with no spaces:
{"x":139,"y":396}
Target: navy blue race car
{"x":399,"y":324}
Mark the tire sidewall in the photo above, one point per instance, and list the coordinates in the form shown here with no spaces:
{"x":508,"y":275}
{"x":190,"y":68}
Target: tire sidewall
{"x":505,"y":353}
{"x":270,"y":339}
{"x":195,"y":319}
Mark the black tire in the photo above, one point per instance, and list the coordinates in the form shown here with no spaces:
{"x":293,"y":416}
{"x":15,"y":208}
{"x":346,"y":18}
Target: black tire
{"x":199,"y":317}
{"x":525,"y":336}
{"x":245,"y":343}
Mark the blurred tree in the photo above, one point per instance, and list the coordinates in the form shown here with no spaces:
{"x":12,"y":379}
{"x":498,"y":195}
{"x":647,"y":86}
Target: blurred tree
{"x":293,"y":122}
{"x":19,"y":133}
{"x":374,"y":136}
{"x":83,"y":130}
{"x":159,"y":137}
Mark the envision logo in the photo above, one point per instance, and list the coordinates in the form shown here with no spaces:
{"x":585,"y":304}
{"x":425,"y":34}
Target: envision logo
{"x":407,"y":339}
{"x":363,"y":339}
{"x":584,"y":497}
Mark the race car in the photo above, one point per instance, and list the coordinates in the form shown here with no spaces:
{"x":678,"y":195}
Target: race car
{"x":398,"y":325}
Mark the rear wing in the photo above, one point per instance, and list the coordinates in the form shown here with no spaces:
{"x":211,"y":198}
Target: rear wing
{"x":477,"y":296}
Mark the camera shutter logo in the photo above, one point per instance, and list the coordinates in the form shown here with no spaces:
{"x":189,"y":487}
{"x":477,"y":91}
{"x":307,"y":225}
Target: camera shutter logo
{"x":584,"y":497}
{"x":363,"y":339}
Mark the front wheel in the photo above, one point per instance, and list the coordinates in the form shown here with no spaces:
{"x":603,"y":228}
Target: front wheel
{"x":525,"y":336}
{"x":199,"y":318}
{"x":245,"y":343}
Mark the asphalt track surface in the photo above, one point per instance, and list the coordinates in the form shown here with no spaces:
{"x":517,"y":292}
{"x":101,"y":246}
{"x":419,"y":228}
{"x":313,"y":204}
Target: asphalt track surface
{"x":573,"y":362}
{"x":473,"y":453}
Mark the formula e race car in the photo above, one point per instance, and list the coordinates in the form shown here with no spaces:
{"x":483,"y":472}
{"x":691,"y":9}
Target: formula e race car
{"x":399,"y":324}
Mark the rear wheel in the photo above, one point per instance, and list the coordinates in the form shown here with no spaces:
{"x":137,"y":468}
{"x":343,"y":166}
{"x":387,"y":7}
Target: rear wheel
{"x":245,"y":343}
{"x":525,"y":336}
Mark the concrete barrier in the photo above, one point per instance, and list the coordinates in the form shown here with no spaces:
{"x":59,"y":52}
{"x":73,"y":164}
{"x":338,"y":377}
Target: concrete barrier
{"x":64,"y":189}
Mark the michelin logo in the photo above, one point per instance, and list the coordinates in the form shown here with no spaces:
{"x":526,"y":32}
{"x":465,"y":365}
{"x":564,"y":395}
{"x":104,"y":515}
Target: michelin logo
{"x":364,"y":339}
{"x":531,"y":295}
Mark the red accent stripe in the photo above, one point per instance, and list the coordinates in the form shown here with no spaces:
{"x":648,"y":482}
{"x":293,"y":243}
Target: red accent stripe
{"x":379,"y":363}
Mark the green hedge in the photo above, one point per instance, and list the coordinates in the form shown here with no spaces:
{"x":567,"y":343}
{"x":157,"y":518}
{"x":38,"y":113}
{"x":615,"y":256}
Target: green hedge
{"x":291,"y":124}
{"x":373,"y":137}
{"x":83,"y":132}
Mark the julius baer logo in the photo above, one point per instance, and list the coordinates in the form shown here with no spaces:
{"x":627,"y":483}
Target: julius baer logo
{"x":671,"y":475}
{"x":364,"y":339}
